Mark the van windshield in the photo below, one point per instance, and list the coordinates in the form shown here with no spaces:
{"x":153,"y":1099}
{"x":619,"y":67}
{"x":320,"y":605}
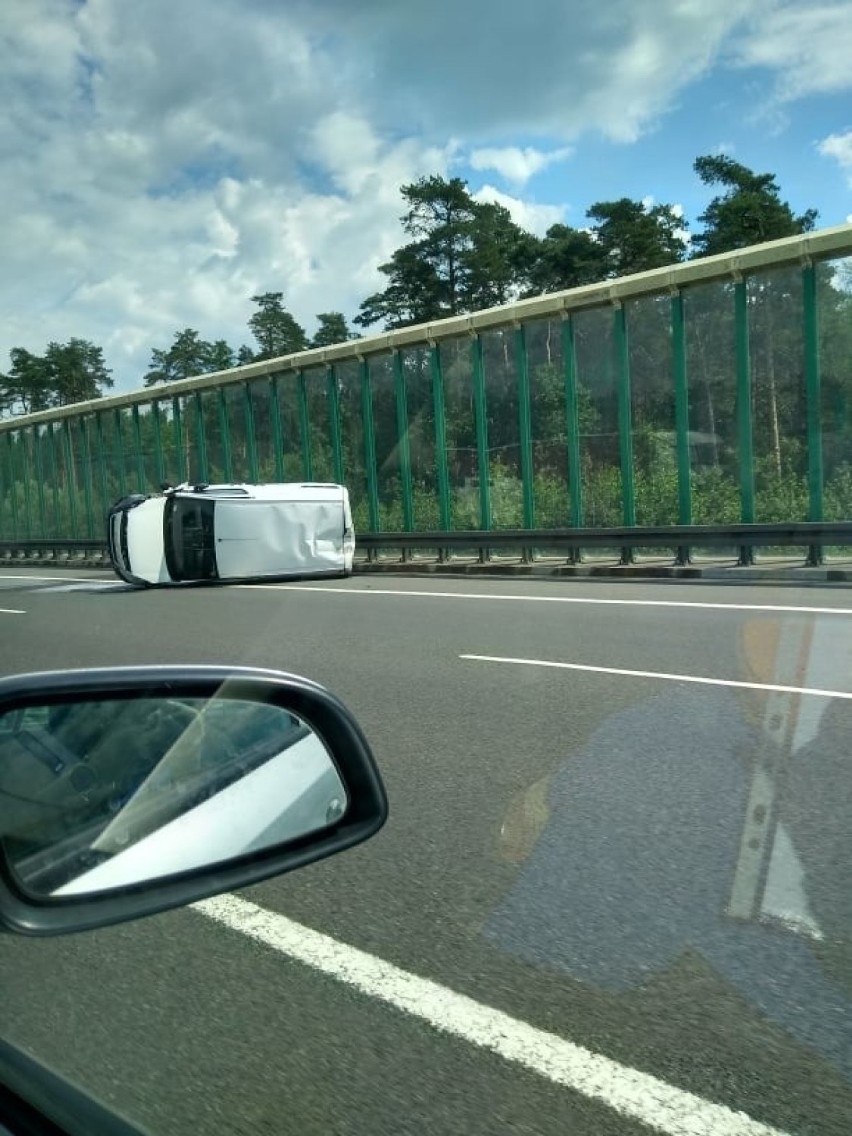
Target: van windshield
{"x":188,"y":539}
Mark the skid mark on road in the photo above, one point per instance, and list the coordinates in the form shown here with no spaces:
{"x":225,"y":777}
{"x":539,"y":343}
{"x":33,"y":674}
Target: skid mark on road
{"x":629,"y":1092}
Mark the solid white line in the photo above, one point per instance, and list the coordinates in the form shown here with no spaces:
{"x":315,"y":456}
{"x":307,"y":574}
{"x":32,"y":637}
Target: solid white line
{"x":11,"y":611}
{"x":68,"y":579}
{"x":820,"y":693}
{"x":600,"y":601}
{"x":629,"y":1092}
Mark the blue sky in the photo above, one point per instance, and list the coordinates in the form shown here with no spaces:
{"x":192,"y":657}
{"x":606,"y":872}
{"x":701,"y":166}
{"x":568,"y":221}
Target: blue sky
{"x":734,"y":114}
{"x":165,"y":161}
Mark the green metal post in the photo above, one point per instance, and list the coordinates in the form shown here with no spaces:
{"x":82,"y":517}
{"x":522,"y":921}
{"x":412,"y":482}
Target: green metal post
{"x":572,"y":415}
{"x":525,"y":426}
{"x":203,"y":469}
{"x":402,"y":438}
{"x":681,"y":395}
{"x":625,"y":422}
{"x":158,"y":442}
{"x":12,"y":484}
{"x":39,"y":480}
{"x":25,"y":453}
{"x":177,"y":428}
{"x":334,"y":416}
{"x":87,"y":479}
{"x":813,"y":382}
{"x":70,"y":478}
{"x":369,"y":445}
{"x":118,"y":435}
{"x":141,"y":480}
{"x":6,"y":490}
{"x":54,"y":481}
{"x":440,"y":437}
{"x":744,"y":416}
{"x":305,"y":428}
{"x":480,"y":414}
{"x":277,"y":432}
{"x":224,"y":431}
{"x":251,"y":441}
{"x":102,"y":466}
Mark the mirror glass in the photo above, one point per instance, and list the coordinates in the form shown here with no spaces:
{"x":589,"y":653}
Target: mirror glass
{"x":103,"y":794}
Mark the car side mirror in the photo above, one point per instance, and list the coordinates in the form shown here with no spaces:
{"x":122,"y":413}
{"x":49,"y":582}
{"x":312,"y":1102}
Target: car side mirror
{"x":128,"y":791}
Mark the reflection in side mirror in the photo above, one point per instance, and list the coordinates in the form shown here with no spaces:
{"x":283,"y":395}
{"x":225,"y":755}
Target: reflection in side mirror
{"x":104,"y":794}
{"x":127,"y":791}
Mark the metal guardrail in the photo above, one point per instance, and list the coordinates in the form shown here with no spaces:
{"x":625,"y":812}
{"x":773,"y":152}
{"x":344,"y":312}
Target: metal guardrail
{"x":680,"y":538}
{"x":812,"y":535}
{"x":59,"y":549}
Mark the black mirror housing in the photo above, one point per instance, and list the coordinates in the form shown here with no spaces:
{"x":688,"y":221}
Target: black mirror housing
{"x":321,"y":713}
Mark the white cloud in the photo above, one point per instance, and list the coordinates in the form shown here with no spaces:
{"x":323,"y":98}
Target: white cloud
{"x":611,"y":68}
{"x":535,"y":218}
{"x":805,"y":46}
{"x":158,"y":178}
{"x":517,"y":165}
{"x":162,"y":162}
{"x":839,"y":147}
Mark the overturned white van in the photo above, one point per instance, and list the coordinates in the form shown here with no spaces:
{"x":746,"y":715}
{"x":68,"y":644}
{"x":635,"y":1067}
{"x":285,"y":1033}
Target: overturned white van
{"x":195,"y":533}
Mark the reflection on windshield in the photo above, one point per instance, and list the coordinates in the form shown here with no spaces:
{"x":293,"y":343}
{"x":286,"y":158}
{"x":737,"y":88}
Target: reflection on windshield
{"x":714,"y":821}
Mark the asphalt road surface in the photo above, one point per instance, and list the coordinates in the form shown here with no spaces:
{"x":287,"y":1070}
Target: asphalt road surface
{"x":560,"y":929}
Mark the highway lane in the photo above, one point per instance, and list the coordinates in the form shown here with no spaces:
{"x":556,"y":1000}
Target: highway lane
{"x":460,"y":887}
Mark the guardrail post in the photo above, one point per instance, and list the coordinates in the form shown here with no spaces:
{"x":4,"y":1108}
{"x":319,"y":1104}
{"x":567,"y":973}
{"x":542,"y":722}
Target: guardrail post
{"x":480,"y":414}
{"x":54,"y":481}
{"x":625,"y":423}
{"x":277,"y":432}
{"x":305,"y":428}
{"x":102,"y":469}
{"x":369,"y":447}
{"x":5,"y":491}
{"x":39,"y":479}
{"x":203,"y":471}
{"x":744,"y":414}
{"x":141,"y":479}
{"x":158,"y":441}
{"x":810,"y":315}
{"x":225,"y":433}
{"x":70,"y":479}
{"x":251,"y":441}
{"x":440,"y":442}
{"x":177,"y":428}
{"x":13,"y":485}
{"x":25,"y":465}
{"x":572,"y":423}
{"x":681,"y":394}
{"x":118,"y":435}
{"x":525,"y":431}
{"x":88,"y":478}
{"x":334,"y":416}
{"x":401,"y":403}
